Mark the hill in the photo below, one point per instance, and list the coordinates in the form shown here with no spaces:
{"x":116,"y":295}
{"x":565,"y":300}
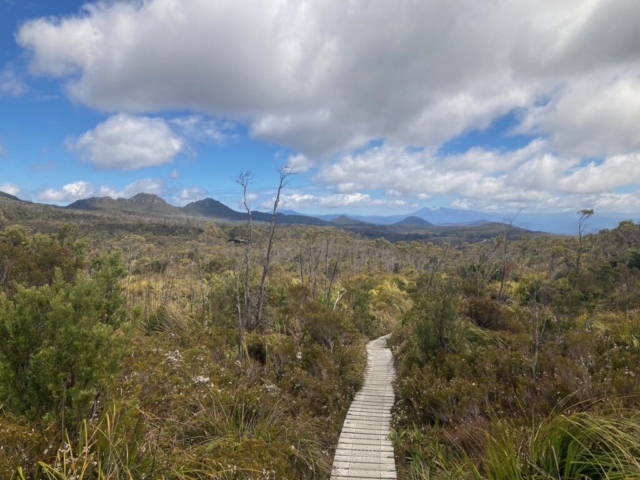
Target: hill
{"x":142,"y":203}
{"x":8,"y":196}
{"x":439,"y":234}
{"x":209,"y":207}
{"x":343,"y":220}
{"x":412,"y":221}
{"x":214,"y":209}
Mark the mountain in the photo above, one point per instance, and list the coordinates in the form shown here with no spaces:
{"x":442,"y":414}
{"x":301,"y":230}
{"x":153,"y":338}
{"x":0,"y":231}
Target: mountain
{"x":559,"y":223}
{"x":343,"y":220}
{"x":211,"y":208}
{"x":146,"y":203}
{"x":141,"y":203}
{"x":377,"y":219}
{"x":8,"y":196}
{"x":412,"y":221}
{"x":565,"y":223}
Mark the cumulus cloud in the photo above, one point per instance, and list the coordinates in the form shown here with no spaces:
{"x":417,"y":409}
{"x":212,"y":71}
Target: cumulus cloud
{"x":325,"y":78}
{"x":199,"y":128}
{"x":336,"y":200}
{"x":299,"y":163}
{"x":522,"y":176}
{"x":11,"y":188}
{"x":606,"y":176}
{"x":10,"y":84}
{"x":68,"y":193}
{"x":188,"y":195}
{"x":83,"y":189}
{"x":127,"y":142}
{"x":593,"y":116}
{"x":156,"y":186}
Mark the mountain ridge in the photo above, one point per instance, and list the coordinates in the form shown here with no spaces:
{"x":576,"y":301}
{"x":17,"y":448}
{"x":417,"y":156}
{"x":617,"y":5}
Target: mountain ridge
{"x":556,"y":223}
{"x":148,"y":203}
{"x":8,"y":196}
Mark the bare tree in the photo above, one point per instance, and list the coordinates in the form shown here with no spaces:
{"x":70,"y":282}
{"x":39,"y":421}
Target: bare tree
{"x":284,"y":173}
{"x":244,"y":311}
{"x":582,"y":224}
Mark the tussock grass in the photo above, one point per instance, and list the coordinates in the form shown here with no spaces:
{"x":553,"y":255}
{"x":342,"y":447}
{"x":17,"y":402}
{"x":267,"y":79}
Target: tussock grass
{"x":581,"y":445}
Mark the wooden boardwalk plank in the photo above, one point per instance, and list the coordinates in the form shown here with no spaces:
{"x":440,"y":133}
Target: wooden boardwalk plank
{"x":364,"y":449}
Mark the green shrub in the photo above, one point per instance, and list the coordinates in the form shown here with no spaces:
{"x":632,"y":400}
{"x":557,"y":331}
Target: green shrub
{"x":60,"y":344}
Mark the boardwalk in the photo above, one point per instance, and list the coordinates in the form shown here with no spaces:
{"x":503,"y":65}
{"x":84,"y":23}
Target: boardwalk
{"x":364,"y":449}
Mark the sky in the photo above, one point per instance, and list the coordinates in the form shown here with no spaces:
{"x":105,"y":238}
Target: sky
{"x":380,"y":107}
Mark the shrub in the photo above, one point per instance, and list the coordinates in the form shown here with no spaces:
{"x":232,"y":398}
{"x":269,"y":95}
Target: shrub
{"x":59,"y":345}
{"x":486,"y":313}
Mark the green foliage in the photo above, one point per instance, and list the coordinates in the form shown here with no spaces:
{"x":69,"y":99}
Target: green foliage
{"x":32,"y":260}
{"x":434,"y":317}
{"x":483,"y":384}
{"x":59,"y":346}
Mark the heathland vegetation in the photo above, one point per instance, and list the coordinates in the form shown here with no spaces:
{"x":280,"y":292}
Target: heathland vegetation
{"x":138,"y":346}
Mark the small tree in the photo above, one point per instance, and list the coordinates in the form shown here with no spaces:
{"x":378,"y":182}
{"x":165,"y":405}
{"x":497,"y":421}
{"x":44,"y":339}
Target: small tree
{"x":435,"y":317}
{"x":505,"y":254}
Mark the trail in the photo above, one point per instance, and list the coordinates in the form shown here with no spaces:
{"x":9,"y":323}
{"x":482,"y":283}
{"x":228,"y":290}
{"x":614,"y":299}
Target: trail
{"x":364,"y":449}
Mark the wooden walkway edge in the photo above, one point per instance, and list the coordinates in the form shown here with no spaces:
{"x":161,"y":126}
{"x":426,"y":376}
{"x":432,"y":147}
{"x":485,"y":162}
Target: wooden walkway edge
{"x":364,"y":449}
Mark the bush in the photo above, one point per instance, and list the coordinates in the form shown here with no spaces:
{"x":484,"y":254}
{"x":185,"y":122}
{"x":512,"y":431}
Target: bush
{"x":486,"y":313}
{"x":59,"y":344}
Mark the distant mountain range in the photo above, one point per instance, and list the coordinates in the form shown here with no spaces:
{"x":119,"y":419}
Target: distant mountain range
{"x":146,"y":203}
{"x":559,"y":223}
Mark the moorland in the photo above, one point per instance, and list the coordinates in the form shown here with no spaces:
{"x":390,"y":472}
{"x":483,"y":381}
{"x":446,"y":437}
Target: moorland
{"x":141,"y":342}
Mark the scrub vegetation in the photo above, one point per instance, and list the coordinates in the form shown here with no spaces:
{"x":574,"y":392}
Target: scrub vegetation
{"x":139,"y":347}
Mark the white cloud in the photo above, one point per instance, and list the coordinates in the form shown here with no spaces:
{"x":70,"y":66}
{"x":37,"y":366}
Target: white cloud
{"x":461,"y":204}
{"x":156,"y":186}
{"x":336,"y":200}
{"x":68,"y":193}
{"x":174,"y":174}
{"x":331,"y":75}
{"x":526,"y":175}
{"x":593,"y":116}
{"x":11,"y":188}
{"x":324,"y":78}
{"x":612,"y":173}
{"x":299,"y":163}
{"x":83,"y":189}
{"x":199,"y":128}
{"x":107,"y":191}
{"x":126,"y":142}
{"x":188,"y":195}
{"x":10,"y":84}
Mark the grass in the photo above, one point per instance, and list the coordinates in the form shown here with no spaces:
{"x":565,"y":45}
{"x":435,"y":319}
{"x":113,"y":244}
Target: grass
{"x":582,"y":445}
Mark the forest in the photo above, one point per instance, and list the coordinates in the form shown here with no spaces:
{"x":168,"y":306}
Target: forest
{"x":139,"y":347}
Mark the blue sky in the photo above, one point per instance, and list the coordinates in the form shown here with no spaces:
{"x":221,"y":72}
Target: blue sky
{"x":381,"y":107}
